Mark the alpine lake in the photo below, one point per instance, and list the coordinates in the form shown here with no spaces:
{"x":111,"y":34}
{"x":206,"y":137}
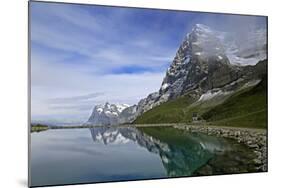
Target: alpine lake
{"x":102,"y":154}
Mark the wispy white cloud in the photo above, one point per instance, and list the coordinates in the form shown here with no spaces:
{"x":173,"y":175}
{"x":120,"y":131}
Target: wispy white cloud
{"x":60,"y":90}
{"x":74,"y":98}
{"x":98,"y":37}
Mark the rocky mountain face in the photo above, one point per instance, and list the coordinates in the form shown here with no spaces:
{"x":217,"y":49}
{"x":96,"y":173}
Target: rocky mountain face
{"x":206,"y":62}
{"x":209,"y":60}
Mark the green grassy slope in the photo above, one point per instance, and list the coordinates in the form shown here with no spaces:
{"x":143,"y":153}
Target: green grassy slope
{"x":169,"y":112}
{"x":179,"y":110}
{"x":246,"y":108}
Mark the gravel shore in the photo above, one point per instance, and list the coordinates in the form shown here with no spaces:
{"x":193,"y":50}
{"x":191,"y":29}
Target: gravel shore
{"x":255,"y":139}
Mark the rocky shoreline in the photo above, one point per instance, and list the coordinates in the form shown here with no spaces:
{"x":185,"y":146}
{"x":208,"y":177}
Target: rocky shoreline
{"x":255,"y":139}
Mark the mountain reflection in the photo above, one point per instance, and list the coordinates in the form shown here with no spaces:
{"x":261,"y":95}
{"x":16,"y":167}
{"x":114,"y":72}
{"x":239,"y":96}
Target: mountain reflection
{"x":181,"y":152}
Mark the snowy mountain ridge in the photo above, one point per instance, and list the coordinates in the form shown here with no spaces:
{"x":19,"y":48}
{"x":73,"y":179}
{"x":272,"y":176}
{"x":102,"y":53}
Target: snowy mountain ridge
{"x":111,"y":114}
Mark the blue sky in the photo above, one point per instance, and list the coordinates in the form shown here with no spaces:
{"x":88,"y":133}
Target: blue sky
{"x":85,"y":55}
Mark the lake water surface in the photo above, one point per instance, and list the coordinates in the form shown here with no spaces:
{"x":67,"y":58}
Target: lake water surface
{"x":70,"y":156}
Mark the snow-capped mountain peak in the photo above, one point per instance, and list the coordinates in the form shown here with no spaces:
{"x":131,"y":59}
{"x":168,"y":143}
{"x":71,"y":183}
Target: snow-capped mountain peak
{"x":110,"y":114}
{"x":121,"y":107}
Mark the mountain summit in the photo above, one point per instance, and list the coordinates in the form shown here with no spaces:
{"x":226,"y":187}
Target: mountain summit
{"x":202,"y":64}
{"x":107,"y":114}
{"x":111,"y":114}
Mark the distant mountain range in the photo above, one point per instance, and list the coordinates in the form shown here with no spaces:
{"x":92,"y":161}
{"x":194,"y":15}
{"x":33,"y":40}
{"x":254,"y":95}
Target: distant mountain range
{"x":112,"y":114}
{"x":209,"y":67}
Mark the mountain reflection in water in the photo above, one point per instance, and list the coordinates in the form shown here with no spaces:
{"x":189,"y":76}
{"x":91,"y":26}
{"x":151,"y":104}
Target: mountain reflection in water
{"x":67,"y":156}
{"x":181,"y":152}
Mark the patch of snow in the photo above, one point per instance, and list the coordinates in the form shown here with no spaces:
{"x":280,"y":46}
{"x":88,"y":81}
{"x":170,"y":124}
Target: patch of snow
{"x":211,"y":94}
{"x":109,"y":113}
{"x":99,"y":110}
{"x":208,"y":95}
{"x":121,"y":107}
{"x":164,"y":86}
{"x":251,"y":83}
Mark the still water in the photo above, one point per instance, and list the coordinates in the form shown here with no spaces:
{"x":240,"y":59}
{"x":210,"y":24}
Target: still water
{"x":69,"y":156}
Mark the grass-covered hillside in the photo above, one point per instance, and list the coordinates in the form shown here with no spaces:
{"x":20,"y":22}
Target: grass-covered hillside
{"x":245,"y":108}
{"x":169,"y":112}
